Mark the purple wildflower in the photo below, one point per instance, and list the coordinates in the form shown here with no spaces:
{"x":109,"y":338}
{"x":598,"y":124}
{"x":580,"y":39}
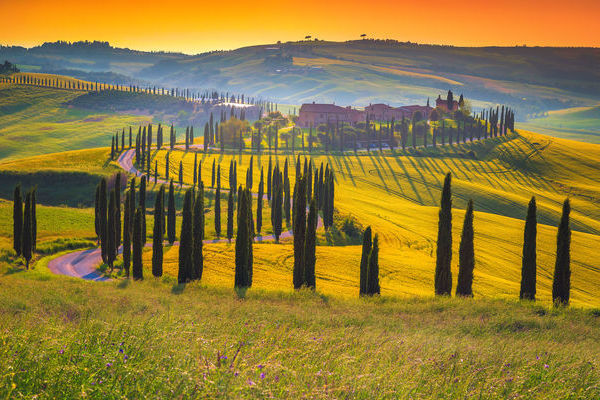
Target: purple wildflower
{"x":546,"y":366}
{"x":260,"y":366}
{"x":61,"y":351}
{"x":121,"y":351}
{"x":262,"y":375}
{"x":108,"y":365}
{"x":251,"y":383}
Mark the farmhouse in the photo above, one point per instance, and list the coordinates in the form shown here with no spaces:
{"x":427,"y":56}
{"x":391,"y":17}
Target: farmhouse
{"x":384,"y":112}
{"x":315,"y":114}
{"x":442,"y":104}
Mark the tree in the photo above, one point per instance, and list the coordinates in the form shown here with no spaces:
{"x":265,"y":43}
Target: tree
{"x":243,"y":242}
{"x":364,"y":261}
{"x":218,"y":207}
{"x":97,"y":225}
{"x":26,"y":235}
{"x":259,"y":203}
{"x":127,"y":234}
{"x":529,"y":262}
{"x":450,"y":100}
{"x":249,"y":174}
{"x":111,"y":245}
{"x":186,"y":240}
{"x":212,"y":179}
{"x":299,"y":227}
{"x":276,"y":203}
{"x":157,"y":234}
{"x":180,"y":173}
{"x":310,"y":243}
{"x":143,"y":206}
{"x":230,"y":205}
{"x":138,"y":245}
{"x":373,"y":274}
{"x":269,"y":175}
{"x":286,"y":191}
{"x":103,"y":214}
{"x":466,"y":256}
{"x":443,"y":274}
{"x":198,"y":234}
{"x":171,"y":214}
{"x":17,"y":220}
{"x":561,"y":285}
{"x":118,"y":209}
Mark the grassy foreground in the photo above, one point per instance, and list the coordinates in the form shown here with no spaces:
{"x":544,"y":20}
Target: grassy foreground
{"x":66,"y":338}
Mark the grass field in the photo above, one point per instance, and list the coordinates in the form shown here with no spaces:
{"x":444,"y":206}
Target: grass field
{"x":67,"y":338}
{"x":581,"y":123}
{"x":35,"y":121}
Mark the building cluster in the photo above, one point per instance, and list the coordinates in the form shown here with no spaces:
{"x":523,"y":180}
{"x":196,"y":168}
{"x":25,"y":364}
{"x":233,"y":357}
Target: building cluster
{"x":313,"y":114}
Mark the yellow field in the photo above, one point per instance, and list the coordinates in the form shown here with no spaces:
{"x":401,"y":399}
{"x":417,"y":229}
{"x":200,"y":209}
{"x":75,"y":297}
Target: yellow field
{"x":398,"y":197}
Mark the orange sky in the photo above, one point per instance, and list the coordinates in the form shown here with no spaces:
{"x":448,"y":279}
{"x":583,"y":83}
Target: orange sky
{"x":196,"y":26}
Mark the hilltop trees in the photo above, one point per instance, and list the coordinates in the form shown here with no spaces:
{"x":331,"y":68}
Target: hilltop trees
{"x":528,"y":268}
{"x":443,"y":274}
{"x":466,"y":256}
{"x":561,"y":285}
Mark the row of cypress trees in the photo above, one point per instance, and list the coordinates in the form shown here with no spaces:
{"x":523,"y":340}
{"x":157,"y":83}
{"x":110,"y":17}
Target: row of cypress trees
{"x":24,"y":224}
{"x":466,"y":264}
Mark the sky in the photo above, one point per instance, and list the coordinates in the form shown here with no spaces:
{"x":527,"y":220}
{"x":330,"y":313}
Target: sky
{"x":197,"y":26}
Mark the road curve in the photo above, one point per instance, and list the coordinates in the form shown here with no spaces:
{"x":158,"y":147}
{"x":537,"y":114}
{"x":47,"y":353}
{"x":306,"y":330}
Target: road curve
{"x":84,"y":263}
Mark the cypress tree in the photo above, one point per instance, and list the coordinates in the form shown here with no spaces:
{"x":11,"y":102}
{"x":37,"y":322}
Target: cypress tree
{"x":171,"y":214}
{"x":195,"y":171}
{"x":529,"y":261}
{"x":199,"y":175}
{"x":259,"y":204}
{"x":127,"y":234}
{"x":218,"y":208}
{"x":269,"y":175}
{"x":276,"y":204}
{"x":96,"y":213}
{"x":198,"y":233}
{"x":364,"y":261}
{"x":310,"y":243}
{"x":249,"y":174}
{"x":143,"y":206}
{"x":466,"y":256}
{"x":443,"y":274}
{"x":118,"y":210}
{"x":138,"y":245}
{"x":286,"y":191}
{"x":17,"y":220}
{"x":561,"y":285}
{"x":373,"y":274}
{"x":243,"y":243}
{"x":33,"y":220}
{"x":180,"y":173}
{"x":230,"y":214}
{"x":103,"y":212}
{"x":299,"y":231}
{"x":111,"y":246}
{"x":212,"y":179}
{"x":26,"y":235}
{"x":132,"y":205}
{"x":186,"y":240}
{"x":157,"y":234}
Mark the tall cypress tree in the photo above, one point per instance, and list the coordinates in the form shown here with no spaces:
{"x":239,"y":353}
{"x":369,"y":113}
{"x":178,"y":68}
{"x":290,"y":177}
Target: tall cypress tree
{"x":286,"y":192}
{"x":259,"y":203}
{"x":230,"y":206}
{"x":195,"y":171}
{"x":529,"y":261}
{"x":443,"y":274}
{"x":561,"y":285}
{"x":299,"y":231}
{"x":138,"y":245}
{"x":212,"y":179}
{"x":310,"y":243}
{"x":276,"y":204}
{"x":33,"y":220}
{"x":157,"y":234}
{"x":111,"y":245}
{"x":127,"y":234}
{"x":269,"y":175}
{"x":103,"y":212}
{"x":118,"y":209}
{"x":171,"y":214}
{"x":186,"y":240}
{"x":17,"y":220}
{"x":198,"y":233}
{"x":180,"y":173}
{"x":142,"y":197}
{"x":243,"y":243}
{"x":373,"y":274}
{"x":26,"y":235}
{"x":250,"y":173}
{"x":218,"y":208}
{"x":96,"y":214}
{"x":466,"y":256}
{"x":364,"y":261}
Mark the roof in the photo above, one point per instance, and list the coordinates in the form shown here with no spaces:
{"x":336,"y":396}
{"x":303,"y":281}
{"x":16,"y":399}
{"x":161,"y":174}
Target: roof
{"x":324,"y":108}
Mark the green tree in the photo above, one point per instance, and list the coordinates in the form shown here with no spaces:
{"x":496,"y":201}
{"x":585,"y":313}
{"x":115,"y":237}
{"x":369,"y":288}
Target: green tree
{"x":466,"y":256}
{"x":529,"y":262}
{"x":299,"y":227}
{"x":143,"y":206}
{"x":17,"y":220}
{"x":157,"y":234}
{"x":443,"y":274}
{"x":111,"y":245}
{"x":364,"y":261}
{"x":127,"y":234}
{"x":373,"y":274}
{"x":218,"y":208}
{"x":103,"y":213}
{"x":310,"y":243}
{"x":259,"y":203}
{"x":26,"y":234}
{"x":243,"y":243}
{"x":171,"y":215}
{"x":198,"y":233}
{"x":561,"y":285}
{"x":230,"y":205}
{"x":186,"y":240}
{"x":138,"y":245}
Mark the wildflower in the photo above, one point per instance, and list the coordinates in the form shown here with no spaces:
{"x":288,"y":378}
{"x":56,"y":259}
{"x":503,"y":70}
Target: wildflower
{"x":262,"y":375}
{"x":61,"y":351}
{"x":260,"y":366}
{"x":276,"y":378}
{"x":125,"y":357}
{"x":108,"y":365}
{"x":251,"y":383}
{"x":121,"y":351}
{"x":546,"y":366}
{"x":223,"y":357}
{"x":236,"y":373}
{"x":537,"y":357}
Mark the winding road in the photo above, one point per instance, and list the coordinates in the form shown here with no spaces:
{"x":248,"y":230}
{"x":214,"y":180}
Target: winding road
{"x":84,"y":263}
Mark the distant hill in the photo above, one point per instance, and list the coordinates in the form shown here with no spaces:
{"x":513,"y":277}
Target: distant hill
{"x":530,"y":79}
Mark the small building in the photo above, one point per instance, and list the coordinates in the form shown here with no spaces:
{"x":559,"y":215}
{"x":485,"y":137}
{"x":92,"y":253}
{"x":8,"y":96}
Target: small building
{"x":316,"y":114}
{"x":442,"y":104}
{"x":384,"y":112}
